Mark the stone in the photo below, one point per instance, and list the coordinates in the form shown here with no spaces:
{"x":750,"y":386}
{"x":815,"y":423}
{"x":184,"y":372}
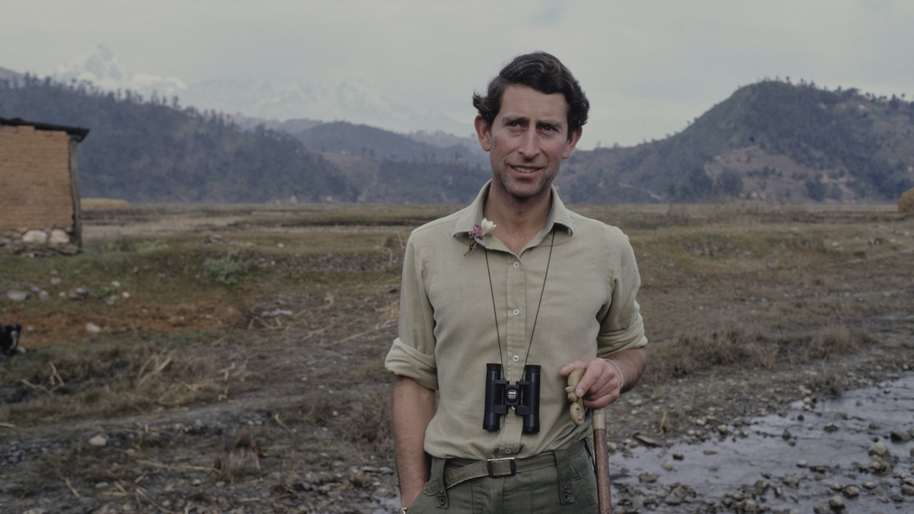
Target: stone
{"x":878,"y":450}
{"x":851,"y":491}
{"x":78,"y":293}
{"x":17,"y":296}
{"x":668,"y":465}
{"x":98,"y":441}
{"x":901,"y":436}
{"x":58,"y":237}
{"x":38,"y":237}
{"x":748,"y":506}
{"x":801,"y":463}
{"x":723,"y":429}
{"x":647,"y":477}
{"x":836,"y":503}
{"x":907,"y":489}
{"x":4,"y":241}
{"x":906,"y":202}
{"x":646,"y":441}
{"x":869,"y":484}
{"x":92,"y":328}
{"x":879,"y":467}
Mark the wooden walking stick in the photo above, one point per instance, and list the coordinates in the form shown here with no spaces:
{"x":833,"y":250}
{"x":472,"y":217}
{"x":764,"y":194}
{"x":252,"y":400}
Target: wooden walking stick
{"x":604,"y":496}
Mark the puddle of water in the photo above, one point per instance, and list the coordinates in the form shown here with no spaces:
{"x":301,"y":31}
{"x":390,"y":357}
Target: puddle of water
{"x":723,"y":466}
{"x":833,"y":438}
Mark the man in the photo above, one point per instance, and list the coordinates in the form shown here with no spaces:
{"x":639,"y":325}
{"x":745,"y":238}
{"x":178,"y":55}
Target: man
{"x":546,"y":288}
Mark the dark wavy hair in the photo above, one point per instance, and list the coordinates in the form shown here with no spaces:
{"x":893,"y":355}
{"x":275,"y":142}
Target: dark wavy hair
{"x":542,"y":72}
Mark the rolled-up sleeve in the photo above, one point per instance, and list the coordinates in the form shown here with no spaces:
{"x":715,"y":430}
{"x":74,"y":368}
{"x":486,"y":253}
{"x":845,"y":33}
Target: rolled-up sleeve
{"x":413,"y":353}
{"x":621,"y":326}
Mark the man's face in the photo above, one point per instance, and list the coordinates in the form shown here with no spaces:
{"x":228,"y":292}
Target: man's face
{"x":527,"y":141}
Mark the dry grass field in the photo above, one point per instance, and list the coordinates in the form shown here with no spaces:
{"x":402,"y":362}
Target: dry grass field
{"x":231,"y":357}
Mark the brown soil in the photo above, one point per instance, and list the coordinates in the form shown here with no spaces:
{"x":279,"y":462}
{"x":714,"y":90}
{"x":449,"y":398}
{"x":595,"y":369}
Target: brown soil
{"x":274,"y":399}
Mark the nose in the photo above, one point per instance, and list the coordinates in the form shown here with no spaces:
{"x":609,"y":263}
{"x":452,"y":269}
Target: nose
{"x":528,"y":147}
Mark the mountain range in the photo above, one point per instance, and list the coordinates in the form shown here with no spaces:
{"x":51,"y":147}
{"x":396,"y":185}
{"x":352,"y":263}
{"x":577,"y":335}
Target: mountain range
{"x":774,"y":141}
{"x":351,"y":100}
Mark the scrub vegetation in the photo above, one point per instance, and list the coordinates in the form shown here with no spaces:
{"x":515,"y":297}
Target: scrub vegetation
{"x":237,"y":351}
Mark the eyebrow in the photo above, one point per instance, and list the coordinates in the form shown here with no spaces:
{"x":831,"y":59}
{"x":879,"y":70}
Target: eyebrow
{"x":509,"y":118}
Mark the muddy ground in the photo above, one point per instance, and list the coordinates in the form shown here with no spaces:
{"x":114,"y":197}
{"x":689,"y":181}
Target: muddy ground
{"x":273,"y":398}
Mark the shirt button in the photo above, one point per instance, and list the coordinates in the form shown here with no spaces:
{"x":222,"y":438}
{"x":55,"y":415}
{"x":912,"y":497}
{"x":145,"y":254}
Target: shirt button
{"x":516,"y":264}
{"x":516,"y":312}
{"x":515,"y":358}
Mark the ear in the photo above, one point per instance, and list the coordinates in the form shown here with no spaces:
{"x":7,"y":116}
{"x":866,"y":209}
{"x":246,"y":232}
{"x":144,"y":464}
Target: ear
{"x":483,"y":132}
{"x":572,"y":142}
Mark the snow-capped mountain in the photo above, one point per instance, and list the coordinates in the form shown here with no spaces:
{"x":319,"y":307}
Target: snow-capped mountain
{"x":102,"y":68}
{"x":354,"y":101}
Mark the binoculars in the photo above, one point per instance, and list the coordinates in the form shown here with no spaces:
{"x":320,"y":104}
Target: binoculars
{"x":523,"y":396}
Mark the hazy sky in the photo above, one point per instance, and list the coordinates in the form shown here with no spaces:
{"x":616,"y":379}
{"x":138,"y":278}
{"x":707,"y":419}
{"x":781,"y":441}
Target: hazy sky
{"x":647,"y":66}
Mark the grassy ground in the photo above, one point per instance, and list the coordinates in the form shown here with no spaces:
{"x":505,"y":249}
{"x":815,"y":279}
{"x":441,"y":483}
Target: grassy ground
{"x":261,"y":331}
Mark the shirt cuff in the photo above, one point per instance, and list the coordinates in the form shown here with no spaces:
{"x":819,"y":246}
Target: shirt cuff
{"x":406,"y":361}
{"x":631,"y":337}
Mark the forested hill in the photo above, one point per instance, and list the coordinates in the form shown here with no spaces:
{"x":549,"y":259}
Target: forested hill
{"x":772,"y":141}
{"x":152,"y":151}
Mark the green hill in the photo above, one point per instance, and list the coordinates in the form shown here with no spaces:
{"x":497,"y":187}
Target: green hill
{"x":774,"y":141}
{"x":153,"y":151}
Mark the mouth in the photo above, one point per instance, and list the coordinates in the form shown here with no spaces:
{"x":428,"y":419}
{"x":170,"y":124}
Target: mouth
{"x":524,"y":169}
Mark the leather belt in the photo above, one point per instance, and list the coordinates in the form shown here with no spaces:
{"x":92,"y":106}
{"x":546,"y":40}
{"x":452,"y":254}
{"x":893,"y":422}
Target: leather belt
{"x":461,"y":470}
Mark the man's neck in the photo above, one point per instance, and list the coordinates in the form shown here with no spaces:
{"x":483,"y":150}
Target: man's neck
{"x":517,"y":221}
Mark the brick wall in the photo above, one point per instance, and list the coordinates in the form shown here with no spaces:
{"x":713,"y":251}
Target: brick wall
{"x":35,"y":189}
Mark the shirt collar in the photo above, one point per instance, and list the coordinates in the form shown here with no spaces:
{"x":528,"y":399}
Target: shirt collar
{"x":558,"y":214}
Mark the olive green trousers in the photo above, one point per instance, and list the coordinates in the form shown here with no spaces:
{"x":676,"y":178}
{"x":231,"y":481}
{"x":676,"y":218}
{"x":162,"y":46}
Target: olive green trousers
{"x":570,"y":486}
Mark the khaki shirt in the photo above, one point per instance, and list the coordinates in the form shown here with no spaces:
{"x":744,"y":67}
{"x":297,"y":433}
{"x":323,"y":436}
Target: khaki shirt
{"x":448,"y":322}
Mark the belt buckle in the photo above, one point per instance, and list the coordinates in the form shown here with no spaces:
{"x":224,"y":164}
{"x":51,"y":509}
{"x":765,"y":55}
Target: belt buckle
{"x":491,"y":465}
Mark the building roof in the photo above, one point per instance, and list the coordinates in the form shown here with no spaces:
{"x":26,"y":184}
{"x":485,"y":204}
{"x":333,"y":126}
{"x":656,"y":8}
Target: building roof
{"x":77,"y":133}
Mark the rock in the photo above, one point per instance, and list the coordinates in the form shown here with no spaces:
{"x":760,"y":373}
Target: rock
{"x":851,"y":491}
{"x":831,"y":427}
{"x":58,"y":237}
{"x":38,"y":237}
{"x":801,"y":463}
{"x":722,"y":429}
{"x":92,"y":328}
{"x":870,"y":485}
{"x":879,"y":467}
{"x":836,"y":503}
{"x":878,"y":450}
{"x":906,"y":202}
{"x":646,"y":441}
{"x":668,"y":465}
{"x":17,"y":296}
{"x":901,"y":436}
{"x":679,"y":456}
{"x":4,"y":241}
{"x":98,"y":441}
{"x":647,"y":477}
{"x":43,"y":295}
{"x":907,"y":489}
{"x":748,"y":506}
{"x":874,"y":425}
{"x":761,"y":486}
{"x":786,"y":435}
{"x":78,"y":293}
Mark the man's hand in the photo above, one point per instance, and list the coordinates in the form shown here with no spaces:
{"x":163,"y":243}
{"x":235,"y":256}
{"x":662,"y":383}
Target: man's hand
{"x":605,"y":380}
